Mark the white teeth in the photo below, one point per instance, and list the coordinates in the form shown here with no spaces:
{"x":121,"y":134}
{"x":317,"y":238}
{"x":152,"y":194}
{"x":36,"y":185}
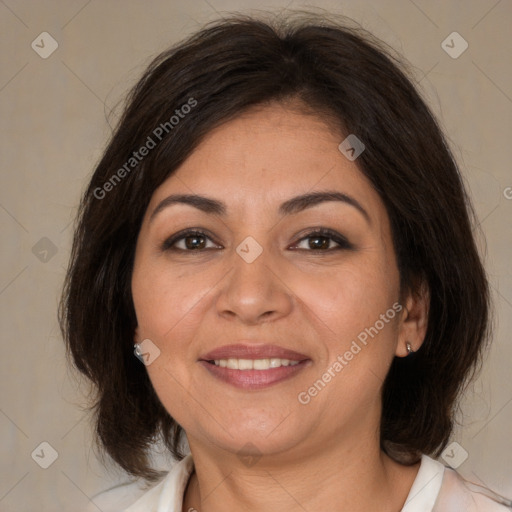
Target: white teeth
{"x":244,"y":364}
{"x":254,"y":364}
{"x":233,"y":364}
{"x":261,"y":364}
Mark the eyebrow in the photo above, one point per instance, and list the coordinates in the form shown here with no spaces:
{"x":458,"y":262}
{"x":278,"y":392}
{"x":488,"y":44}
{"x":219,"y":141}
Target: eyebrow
{"x":291,"y":206}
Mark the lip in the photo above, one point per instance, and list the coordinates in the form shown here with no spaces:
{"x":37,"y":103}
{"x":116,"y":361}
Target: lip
{"x":253,"y":379}
{"x":252,"y":351}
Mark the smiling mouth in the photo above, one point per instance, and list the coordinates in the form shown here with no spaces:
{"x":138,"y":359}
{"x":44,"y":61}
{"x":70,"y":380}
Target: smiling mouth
{"x":253,"y":374}
{"x":253,"y":364}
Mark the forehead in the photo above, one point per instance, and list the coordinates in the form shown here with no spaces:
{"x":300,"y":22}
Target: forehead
{"x":266,"y":155}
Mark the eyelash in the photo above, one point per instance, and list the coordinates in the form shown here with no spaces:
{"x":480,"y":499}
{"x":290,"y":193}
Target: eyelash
{"x":342,"y":242}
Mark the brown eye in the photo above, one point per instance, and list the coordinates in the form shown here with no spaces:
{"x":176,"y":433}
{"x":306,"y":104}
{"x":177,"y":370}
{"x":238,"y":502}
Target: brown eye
{"x":319,"y":242}
{"x":322,"y":239}
{"x":190,"y":241}
{"x":194,"y":241}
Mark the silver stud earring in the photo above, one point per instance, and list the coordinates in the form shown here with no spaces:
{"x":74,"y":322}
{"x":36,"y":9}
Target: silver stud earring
{"x":409,"y":348}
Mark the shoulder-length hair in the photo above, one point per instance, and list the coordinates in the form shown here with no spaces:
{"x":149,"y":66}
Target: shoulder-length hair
{"x":344,"y":75}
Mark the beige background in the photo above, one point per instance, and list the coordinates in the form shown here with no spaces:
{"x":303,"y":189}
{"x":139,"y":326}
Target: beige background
{"x":54,"y":128}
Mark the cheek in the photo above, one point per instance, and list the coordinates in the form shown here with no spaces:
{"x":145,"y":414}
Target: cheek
{"x":164,"y":297}
{"x":169,"y":305}
{"x":355,"y":305}
{"x":349,"y":297}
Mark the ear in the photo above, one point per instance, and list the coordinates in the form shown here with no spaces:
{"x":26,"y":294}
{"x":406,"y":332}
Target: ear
{"x":414,"y":319}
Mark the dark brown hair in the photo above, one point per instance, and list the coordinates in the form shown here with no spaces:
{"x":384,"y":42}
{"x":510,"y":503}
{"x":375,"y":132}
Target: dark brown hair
{"x":342,"y":74}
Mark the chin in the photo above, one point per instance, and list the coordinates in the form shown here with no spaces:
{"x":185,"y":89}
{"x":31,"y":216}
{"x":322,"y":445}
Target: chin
{"x":258,"y":436}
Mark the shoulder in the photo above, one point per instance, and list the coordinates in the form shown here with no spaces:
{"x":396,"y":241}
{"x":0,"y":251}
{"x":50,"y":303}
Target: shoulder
{"x":457,"y":493}
{"x":138,"y":496}
{"x":118,"y":498}
{"x":438,"y":488}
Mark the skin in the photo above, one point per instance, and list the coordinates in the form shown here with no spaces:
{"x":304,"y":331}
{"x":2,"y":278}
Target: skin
{"x":317,"y":456}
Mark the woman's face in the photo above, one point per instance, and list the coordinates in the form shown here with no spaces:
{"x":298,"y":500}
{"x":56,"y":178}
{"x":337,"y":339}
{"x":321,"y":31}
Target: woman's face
{"x":261,"y":279}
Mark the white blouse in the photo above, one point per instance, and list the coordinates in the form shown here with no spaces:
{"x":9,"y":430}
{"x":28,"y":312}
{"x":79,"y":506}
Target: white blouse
{"x":436,"y":488}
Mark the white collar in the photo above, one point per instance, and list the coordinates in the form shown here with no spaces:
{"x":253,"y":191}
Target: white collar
{"x":426,"y":486}
{"x":167,"y":496}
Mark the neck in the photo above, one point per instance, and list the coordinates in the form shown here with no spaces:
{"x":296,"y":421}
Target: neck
{"x":354,"y":475}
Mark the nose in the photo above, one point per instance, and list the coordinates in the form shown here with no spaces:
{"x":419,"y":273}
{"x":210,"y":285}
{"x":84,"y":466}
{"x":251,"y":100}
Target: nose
{"x":254,"y":292}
